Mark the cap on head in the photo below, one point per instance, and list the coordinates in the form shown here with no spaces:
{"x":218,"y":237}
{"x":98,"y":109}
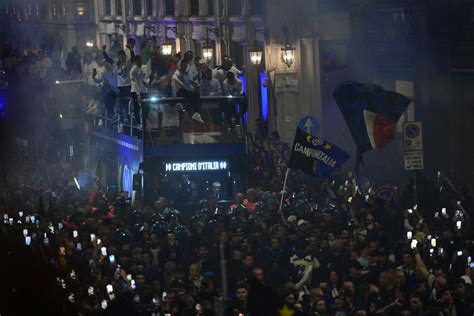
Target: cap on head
{"x":302,"y":222}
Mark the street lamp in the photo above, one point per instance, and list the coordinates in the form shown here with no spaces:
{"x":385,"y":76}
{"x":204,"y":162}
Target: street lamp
{"x":256,"y":52}
{"x":287,"y":51}
{"x":208,"y":50}
{"x":167,"y":47}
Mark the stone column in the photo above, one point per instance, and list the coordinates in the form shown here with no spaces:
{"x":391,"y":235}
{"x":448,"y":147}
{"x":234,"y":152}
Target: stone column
{"x":252,"y":75}
{"x":309,"y":78}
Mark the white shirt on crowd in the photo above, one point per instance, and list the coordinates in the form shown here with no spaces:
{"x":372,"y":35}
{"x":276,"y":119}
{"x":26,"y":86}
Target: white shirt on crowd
{"x":233,"y":89}
{"x":123,"y":74}
{"x":194,"y":73}
{"x":87,"y":69}
{"x":128,"y":53}
{"x":221,"y":74}
{"x":42,"y":66}
{"x":139,"y":76}
{"x":180,"y":80}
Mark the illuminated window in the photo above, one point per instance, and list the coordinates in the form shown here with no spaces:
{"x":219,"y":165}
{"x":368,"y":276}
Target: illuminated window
{"x":137,"y":7}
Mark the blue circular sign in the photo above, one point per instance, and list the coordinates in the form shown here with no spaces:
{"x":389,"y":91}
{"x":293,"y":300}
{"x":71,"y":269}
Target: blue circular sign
{"x":412,"y":130}
{"x":310,"y":125}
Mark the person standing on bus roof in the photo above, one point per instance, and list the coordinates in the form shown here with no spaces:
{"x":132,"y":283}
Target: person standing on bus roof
{"x":209,"y":86}
{"x":122,"y":69}
{"x":183,"y":87}
{"x":139,"y":76}
{"x":130,"y":49}
{"x":220,"y":73}
{"x":232,"y":86}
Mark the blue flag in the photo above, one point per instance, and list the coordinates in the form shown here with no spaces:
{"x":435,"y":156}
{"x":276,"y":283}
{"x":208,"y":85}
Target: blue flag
{"x":371,"y":113}
{"x":315,"y":156}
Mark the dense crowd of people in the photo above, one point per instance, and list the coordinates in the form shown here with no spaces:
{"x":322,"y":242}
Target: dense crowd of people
{"x":112,"y":77}
{"x":332,"y":248}
{"x":336,"y":246}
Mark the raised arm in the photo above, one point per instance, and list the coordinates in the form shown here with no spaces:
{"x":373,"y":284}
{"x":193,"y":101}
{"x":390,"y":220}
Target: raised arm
{"x":328,"y":189}
{"x":421,"y":264}
{"x":106,"y":57}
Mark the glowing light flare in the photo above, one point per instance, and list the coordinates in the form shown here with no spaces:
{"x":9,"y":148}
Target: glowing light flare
{"x":207,"y":53}
{"x":256,"y":54}
{"x":288,"y":55}
{"x":77,"y":183}
{"x":167,"y":49}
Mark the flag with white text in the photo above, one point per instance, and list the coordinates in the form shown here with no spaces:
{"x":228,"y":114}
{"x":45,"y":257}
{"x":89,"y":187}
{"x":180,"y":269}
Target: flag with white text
{"x":315,"y":156}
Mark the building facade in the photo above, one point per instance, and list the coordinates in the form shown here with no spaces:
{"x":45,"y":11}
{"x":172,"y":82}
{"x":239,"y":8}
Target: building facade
{"x":419,"y":48}
{"x":422,"y":49}
{"x":229,"y":26}
{"x":52,"y":25}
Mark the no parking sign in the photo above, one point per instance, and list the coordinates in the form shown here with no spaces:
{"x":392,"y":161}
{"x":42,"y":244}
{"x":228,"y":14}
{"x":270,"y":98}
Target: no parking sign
{"x":413,"y":145}
{"x":412,"y":136}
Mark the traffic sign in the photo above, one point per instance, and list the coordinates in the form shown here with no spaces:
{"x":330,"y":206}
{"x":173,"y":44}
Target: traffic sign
{"x":412,"y":131}
{"x":414,"y":160}
{"x":310,"y":125}
{"x":413,"y":146}
{"x":412,"y":136}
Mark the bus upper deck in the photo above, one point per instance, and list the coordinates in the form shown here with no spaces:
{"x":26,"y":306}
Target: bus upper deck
{"x":166,"y":121}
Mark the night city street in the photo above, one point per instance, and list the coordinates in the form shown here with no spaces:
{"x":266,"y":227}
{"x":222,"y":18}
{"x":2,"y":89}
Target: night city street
{"x":236,"y":157}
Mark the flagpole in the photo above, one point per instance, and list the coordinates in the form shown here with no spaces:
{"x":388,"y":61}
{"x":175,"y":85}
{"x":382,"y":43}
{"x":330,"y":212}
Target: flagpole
{"x":451,"y":185}
{"x":415,"y":189}
{"x":225,"y":289}
{"x":284,"y":186}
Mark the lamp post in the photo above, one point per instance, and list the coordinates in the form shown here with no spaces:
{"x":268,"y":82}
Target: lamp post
{"x":256,"y":52}
{"x":167,"y":47}
{"x":208,"y":50}
{"x":287,"y":51}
